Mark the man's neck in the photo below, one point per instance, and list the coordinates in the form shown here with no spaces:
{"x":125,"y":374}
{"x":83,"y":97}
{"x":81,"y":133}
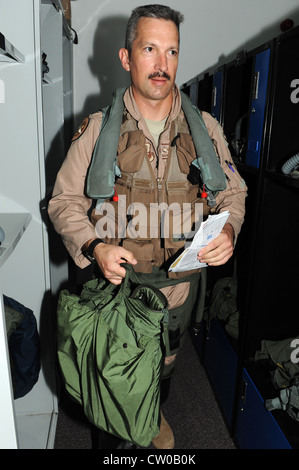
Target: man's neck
{"x":154,"y":110}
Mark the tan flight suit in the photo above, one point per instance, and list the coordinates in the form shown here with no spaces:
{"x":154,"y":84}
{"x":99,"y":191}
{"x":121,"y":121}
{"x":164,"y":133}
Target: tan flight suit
{"x":69,"y":204}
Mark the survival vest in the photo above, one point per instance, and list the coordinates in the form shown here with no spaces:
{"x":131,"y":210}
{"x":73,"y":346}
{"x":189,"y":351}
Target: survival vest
{"x":160,"y":237}
{"x":103,"y":168}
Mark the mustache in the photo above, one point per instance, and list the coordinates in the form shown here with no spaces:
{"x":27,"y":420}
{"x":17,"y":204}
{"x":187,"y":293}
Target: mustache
{"x":159,"y":74}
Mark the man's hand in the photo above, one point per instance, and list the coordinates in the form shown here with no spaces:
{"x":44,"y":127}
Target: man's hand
{"x":109,"y":258}
{"x":218,"y":251}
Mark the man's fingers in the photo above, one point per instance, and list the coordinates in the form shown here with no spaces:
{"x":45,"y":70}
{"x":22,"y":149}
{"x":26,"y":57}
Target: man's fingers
{"x":109,"y":259}
{"x":217,"y":257}
{"x":126,"y":255}
{"x":219,"y":250}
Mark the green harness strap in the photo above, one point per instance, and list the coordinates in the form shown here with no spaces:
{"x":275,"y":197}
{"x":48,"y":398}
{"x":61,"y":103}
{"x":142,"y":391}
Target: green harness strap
{"x":103,"y":167}
{"x":212,"y":174}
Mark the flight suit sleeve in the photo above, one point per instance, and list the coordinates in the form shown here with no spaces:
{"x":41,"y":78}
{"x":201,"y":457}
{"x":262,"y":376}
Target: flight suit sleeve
{"x":69,"y":205}
{"x":233,"y":197}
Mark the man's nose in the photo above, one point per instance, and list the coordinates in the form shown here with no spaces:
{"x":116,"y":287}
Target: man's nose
{"x":161,"y":63}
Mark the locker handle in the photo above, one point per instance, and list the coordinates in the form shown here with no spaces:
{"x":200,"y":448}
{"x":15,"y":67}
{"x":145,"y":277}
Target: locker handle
{"x":256,"y":85}
{"x":243,"y":394}
{"x":214,"y":96}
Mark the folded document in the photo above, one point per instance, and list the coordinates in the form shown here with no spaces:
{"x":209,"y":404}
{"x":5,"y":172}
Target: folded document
{"x":208,"y":231}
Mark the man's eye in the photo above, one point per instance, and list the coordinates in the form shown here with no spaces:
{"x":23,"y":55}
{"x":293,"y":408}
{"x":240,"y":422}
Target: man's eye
{"x":173,"y":52}
{"x":149,"y":49}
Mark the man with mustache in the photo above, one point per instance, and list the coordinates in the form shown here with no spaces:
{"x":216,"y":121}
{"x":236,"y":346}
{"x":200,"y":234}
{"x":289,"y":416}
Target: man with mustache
{"x":159,"y":74}
{"x":155,"y":152}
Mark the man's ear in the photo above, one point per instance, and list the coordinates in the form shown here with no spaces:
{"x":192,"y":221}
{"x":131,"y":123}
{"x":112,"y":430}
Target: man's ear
{"x":124,"y":58}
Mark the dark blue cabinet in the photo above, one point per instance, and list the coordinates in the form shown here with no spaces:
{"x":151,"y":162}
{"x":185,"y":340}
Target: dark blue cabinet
{"x":220,"y":362}
{"x":217,"y":95}
{"x":255,"y":99}
{"x":204,"y":92}
{"x":193,"y":92}
{"x":256,"y":427}
{"x":258,"y":104}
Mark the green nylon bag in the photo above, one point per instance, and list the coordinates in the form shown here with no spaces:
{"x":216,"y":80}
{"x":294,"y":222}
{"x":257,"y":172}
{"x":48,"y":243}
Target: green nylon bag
{"x":110,"y":349}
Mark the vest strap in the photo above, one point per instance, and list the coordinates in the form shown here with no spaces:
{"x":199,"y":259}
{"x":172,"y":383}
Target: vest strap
{"x":103,"y":168}
{"x":212,"y":174}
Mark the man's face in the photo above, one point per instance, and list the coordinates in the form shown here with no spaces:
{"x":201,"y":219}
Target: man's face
{"x":154,"y":58}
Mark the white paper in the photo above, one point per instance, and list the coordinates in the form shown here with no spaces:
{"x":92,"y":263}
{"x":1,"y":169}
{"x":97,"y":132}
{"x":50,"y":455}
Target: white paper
{"x":208,"y":231}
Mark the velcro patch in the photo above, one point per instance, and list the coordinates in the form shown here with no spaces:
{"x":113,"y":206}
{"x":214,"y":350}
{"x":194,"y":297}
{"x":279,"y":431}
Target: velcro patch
{"x":81,"y":129}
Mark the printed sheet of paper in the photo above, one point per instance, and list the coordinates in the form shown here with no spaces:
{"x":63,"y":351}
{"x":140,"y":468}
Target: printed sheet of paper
{"x":207,"y":232}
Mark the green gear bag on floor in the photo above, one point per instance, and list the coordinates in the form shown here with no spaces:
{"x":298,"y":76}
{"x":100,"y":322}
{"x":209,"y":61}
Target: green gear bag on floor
{"x":110,"y":342}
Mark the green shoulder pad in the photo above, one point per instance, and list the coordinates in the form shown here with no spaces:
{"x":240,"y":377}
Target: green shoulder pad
{"x":211,"y":172}
{"x":101,"y":174}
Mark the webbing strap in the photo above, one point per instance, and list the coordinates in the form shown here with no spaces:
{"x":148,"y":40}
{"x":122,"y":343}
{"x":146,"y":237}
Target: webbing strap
{"x":101,"y":174}
{"x":210,"y":168}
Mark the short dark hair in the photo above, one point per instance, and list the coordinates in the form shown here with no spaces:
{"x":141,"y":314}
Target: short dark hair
{"x":162,"y":12}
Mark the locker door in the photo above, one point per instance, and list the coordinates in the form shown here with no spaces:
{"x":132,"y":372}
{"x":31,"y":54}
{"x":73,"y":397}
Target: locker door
{"x":256,"y":427}
{"x":220,"y":361}
{"x":258,"y":104}
{"x":193,"y":92}
{"x":217,"y":95}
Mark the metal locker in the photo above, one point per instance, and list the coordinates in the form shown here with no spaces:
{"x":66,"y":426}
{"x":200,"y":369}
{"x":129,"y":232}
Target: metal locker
{"x":256,"y":427}
{"x":217,"y":94}
{"x":258,"y":104}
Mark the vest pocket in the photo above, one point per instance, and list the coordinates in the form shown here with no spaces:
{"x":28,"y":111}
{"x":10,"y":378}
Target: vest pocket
{"x":185,"y":213}
{"x":131,"y":159}
{"x":143,"y":252}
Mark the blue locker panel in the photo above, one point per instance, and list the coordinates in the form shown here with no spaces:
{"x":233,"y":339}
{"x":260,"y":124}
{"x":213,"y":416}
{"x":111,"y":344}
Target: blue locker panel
{"x":258,"y":104}
{"x":193,"y":93}
{"x":217,"y":95}
{"x":220,"y":362}
{"x":256,"y":427}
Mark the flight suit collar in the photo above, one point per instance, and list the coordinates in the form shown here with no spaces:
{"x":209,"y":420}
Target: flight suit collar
{"x":133,"y":109}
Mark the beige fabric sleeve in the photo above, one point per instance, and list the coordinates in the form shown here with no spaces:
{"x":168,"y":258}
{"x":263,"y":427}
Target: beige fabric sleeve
{"x":69,"y":204}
